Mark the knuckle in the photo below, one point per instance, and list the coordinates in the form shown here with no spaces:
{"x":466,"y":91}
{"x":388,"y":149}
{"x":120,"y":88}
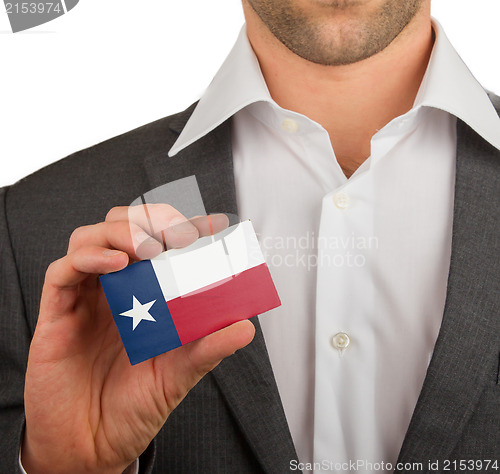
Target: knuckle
{"x":119,"y":228}
{"x":130,"y":228}
{"x":82,"y":236}
{"x":161,"y":208}
{"x":168,"y":208}
{"x":52,"y":270}
{"x":77,"y":235}
{"x":112,"y":213}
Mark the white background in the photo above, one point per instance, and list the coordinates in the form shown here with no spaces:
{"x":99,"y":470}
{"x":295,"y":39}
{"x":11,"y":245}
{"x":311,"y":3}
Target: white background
{"x":109,"y":66}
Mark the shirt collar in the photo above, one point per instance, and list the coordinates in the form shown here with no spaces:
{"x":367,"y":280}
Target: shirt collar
{"x":450,"y":86}
{"x":447,"y":85}
{"x":238,"y":83}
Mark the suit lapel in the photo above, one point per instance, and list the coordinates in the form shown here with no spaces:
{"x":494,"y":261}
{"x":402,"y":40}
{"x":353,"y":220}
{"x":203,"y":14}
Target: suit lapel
{"x":466,"y":349}
{"x":248,"y":385}
{"x":246,"y":379}
{"x":209,"y":159}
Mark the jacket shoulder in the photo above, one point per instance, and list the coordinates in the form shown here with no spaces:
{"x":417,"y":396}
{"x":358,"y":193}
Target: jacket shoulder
{"x":104,"y":175}
{"x":41,"y":210}
{"x":103,"y":158}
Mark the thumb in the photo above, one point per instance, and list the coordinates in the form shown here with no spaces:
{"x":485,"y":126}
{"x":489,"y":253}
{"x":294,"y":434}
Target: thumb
{"x":186,"y":365}
{"x":207,"y":352}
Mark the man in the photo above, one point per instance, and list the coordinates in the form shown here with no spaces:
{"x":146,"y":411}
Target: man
{"x":346,"y":120}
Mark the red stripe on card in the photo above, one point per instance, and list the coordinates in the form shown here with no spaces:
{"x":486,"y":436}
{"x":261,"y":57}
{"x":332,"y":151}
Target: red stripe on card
{"x":243,"y":296}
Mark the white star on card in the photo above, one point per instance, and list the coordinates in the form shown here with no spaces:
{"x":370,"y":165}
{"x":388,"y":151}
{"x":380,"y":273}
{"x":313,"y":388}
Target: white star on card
{"x":139,"y":312}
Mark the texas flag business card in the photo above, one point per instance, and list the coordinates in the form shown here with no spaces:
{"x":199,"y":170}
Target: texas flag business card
{"x":184,"y":294}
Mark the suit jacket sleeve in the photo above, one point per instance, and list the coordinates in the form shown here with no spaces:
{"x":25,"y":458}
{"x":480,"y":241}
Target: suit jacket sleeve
{"x":15,"y":337}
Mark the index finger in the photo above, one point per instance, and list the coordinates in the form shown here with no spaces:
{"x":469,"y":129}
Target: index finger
{"x":156,"y":219}
{"x":168,"y":225}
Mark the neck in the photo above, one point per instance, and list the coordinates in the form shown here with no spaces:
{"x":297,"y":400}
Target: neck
{"x":353,"y":101}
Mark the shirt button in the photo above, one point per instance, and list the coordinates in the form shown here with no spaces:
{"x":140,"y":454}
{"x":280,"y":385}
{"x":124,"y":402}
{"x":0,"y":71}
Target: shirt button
{"x":289,"y":125}
{"x":340,"y":341}
{"x":341,"y":200}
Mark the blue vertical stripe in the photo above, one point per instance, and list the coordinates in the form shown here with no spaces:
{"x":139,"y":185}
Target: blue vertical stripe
{"x":149,"y":338}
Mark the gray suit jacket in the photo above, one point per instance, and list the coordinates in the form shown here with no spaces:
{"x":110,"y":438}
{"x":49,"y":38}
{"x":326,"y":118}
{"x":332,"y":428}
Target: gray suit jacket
{"x":233,"y":420}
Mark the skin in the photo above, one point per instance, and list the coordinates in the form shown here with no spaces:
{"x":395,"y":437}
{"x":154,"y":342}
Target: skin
{"x":363,"y":59}
{"x":87,"y":409}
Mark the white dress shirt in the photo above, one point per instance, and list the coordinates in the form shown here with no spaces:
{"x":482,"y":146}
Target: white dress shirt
{"x":360,"y":264}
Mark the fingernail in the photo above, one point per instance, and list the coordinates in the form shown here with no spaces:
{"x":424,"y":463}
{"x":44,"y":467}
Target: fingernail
{"x":111,"y":253}
{"x":182,"y":226}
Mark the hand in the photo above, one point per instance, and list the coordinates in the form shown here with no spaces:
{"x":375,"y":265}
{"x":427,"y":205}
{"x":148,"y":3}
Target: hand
{"x":87,"y":409}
